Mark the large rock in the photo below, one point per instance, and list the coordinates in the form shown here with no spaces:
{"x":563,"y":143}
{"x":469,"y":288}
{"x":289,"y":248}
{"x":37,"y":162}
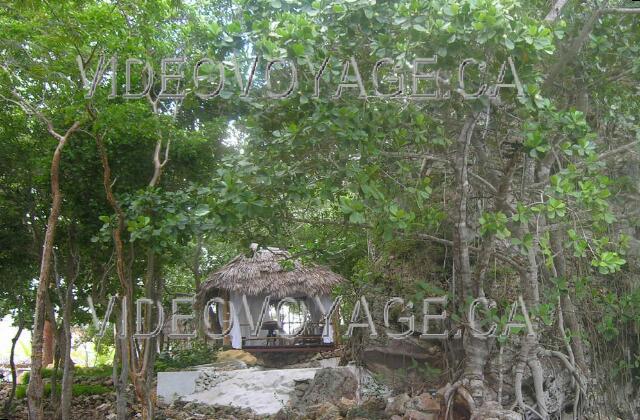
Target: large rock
{"x":241,"y":355}
{"x":424,"y":402}
{"x":420,"y":407}
{"x":324,"y":411}
{"x":396,"y":405}
{"x":329,"y":385}
{"x":386,"y":361}
{"x":493,"y":411}
{"x":345,"y":404}
{"x":419,"y":415}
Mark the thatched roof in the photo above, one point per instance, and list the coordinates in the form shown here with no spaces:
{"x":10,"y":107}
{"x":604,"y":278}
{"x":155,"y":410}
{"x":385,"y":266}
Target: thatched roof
{"x":263,"y":273}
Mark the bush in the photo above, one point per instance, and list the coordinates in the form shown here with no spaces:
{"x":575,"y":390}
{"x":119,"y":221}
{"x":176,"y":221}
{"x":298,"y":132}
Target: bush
{"x":79,"y":372}
{"x":82,"y":389}
{"x":103,"y":371}
{"x":198,"y":353}
{"x":76,"y":389}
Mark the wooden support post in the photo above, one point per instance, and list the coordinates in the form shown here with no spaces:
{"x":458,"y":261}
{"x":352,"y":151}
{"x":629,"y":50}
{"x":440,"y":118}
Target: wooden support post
{"x":226,"y":316}
{"x":336,"y":331}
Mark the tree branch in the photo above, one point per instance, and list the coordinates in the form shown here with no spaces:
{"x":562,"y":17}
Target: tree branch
{"x":624,"y":10}
{"x":555,"y":10}
{"x":574,"y":48}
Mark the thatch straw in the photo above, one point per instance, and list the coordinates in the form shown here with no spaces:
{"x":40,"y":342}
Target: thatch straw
{"x":263,"y":273}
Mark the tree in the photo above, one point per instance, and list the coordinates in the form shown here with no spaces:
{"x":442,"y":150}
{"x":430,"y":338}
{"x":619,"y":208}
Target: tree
{"x":522,"y":189}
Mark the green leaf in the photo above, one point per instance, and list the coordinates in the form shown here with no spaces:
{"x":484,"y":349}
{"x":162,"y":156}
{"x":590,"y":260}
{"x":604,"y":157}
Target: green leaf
{"x":202,"y":210}
{"x":419,"y":28}
{"x":509,"y":44}
{"x":298,"y":49}
{"x":356,"y":217}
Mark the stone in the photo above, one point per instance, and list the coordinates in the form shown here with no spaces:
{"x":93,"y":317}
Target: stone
{"x":329,"y":384}
{"x":399,"y":354}
{"x":324,"y":411}
{"x":103,"y":407}
{"x":345,"y":404}
{"x":425,"y":402}
{"x":418,"y":415}
{"x":396,"y":405}
{"x":373,"y":405}
{"x":492,"y":410}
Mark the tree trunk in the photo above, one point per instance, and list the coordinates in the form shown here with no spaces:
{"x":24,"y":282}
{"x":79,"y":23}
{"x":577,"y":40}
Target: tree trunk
{"x":48,"y":344}
{"x":153,"y":289}
{"x":124,"y":356}
{"x":57,"y":335}
{"x":35,"y":390}
{"x":14,"y":377}
{"x":461,"y":235}
{"x":67,"y":374}
{"x":53,"y":396}
{"x":139,"y":365}
{"x":121,"y":377}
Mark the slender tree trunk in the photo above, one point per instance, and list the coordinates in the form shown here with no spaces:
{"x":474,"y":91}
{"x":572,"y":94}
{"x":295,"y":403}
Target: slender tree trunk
{"x":67,"y":374}
{"x":53,"y":396}
{"x":48,"y":346}
{"x":145,"y":377}
{"x":461,"y":236}
{"x":57,"y":334}
{"x":14,"y":376}
{"x":568,"y":309}
{"x":124,"y":356}
{"x":143,"y":373}
{"x":120,"y":373}
{"x":138,"y":365}
{"x":476,"y":349}
{"x":35,"y":389}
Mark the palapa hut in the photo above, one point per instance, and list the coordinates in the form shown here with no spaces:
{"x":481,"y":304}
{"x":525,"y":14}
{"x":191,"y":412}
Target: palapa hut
{"x":272,"y":272}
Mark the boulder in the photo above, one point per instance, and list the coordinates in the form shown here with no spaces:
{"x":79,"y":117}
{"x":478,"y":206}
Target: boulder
{"x":329,"y":385}
{"x":424,"y":402}
{"x":418,"y":415}
{"x":396,"y":405}
{"x":346,"y":404}
{"x":324,"y":411}
{"x":493,"y":411}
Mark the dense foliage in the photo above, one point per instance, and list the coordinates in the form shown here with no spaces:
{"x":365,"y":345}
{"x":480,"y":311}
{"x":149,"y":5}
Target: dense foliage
{"x":529,"y":189}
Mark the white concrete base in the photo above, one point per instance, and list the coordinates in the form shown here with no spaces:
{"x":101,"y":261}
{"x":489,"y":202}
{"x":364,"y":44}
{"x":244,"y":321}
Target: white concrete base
{"x":172,"y":385}
{"x":264,"y":391}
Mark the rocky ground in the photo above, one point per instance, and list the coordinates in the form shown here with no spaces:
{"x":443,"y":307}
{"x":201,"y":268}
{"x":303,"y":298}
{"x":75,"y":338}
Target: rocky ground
{"x":315,"y":406}
{"x":101,"y":407}
{"x":331,"y":394}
